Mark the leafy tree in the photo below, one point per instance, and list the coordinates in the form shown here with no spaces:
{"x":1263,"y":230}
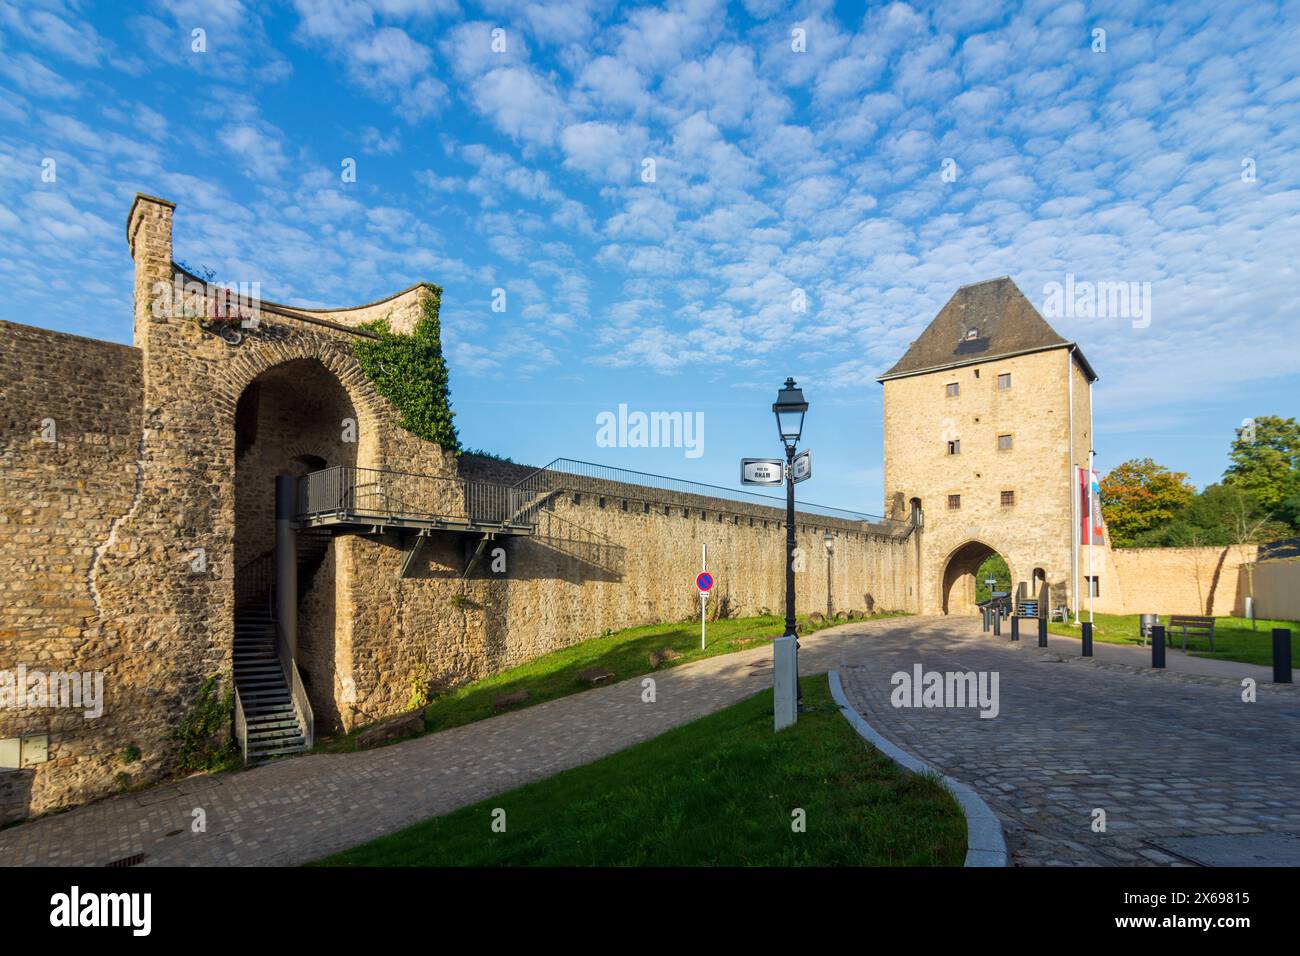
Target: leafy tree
{"x":995,"y":565}
{"x":1139,"y":497}
{"x":1266,"y":460}
{"x":1221,"y":515}
{"x":409,"y":370}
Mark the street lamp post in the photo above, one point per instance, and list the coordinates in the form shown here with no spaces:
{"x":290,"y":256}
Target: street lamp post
{"x":790,"y":409}
{"x":829,"y":540}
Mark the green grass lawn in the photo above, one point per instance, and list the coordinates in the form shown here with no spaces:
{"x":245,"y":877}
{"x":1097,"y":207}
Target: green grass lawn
{"x":719,"y":791}
{"x":1233,"y":638}
{"x":626,"y":653}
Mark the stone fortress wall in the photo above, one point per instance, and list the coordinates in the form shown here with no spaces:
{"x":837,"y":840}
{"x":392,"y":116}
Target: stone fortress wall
{"x":166,"y":452}
{"x":137,"y":483}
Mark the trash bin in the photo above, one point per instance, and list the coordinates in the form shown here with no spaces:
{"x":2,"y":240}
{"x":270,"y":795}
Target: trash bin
{"x":1145,"y":623}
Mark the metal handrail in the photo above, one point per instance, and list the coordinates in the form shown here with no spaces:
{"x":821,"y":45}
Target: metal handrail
{"x":567,"y":474}
{"x":255,"y":580}
{"x":297,"y":691}
{"x":387,"y":493}
{"x":241,"y":724}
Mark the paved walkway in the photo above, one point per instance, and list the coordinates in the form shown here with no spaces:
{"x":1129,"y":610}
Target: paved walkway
{"x":1182,"y":767}
{"x":1163,"y":753}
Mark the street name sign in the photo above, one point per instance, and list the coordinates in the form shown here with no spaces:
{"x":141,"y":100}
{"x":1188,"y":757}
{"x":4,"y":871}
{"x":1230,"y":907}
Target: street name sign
{"x":803,"y":466}
{"x":762,"y":471}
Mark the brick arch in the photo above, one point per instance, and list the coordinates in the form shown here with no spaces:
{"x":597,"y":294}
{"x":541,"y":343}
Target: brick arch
{"x":965,"y":559}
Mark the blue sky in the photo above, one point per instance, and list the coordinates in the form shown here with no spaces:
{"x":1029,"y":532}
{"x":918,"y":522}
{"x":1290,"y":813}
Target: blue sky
{"x":775,"y":170}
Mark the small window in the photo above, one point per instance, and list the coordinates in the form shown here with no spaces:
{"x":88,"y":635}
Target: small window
{"x":1004,"y":381}
{"x":977,"y":373}
{"x":954,"y":447}
{"x":954,"y":502}
{"x":1004,"y":443}
{"x":1094,"y":585}
{"x":952,"y":389}
{"x":1008,"y":498}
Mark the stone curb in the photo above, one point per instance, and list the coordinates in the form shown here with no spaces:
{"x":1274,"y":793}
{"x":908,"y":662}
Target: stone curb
{"x":985,"y":844}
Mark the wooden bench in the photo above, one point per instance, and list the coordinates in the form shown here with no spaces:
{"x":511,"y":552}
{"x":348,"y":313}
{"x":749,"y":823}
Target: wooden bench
{"x":1193,"y":623}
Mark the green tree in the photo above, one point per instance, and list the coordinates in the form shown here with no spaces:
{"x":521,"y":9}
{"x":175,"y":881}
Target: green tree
{"x":1266,"y":461}
{"x":409,"y":370}
{"x":1139,"y":497}
{"x":996,"y":566}
{"x":1221,"y":515}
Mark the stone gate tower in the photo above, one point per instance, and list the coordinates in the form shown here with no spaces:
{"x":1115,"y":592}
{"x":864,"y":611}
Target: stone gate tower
{"x":987,"y":416}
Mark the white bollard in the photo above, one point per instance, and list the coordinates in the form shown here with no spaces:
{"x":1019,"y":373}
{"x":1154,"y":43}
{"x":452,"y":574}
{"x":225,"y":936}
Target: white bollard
{"x":784,"y":682}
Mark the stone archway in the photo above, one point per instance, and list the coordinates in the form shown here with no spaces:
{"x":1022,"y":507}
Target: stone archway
{"x":291,"y":419}
{"x":959,"y":580}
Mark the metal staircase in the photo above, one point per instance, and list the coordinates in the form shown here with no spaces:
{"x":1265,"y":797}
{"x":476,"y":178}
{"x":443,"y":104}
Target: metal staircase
{"x":272,"y":727}
{"x":269,"y":722}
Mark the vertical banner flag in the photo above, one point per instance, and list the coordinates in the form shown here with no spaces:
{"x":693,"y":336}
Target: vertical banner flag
{"x":1097,"y":528}
{"x":1090,"y":529}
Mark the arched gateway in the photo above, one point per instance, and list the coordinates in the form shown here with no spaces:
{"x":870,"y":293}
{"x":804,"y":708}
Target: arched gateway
{"x":960,"y":579}
{"x":987,"y":420}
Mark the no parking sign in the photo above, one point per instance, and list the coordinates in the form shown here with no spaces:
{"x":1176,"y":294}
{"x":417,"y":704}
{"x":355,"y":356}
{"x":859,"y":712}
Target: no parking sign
{"x":704,"y":581}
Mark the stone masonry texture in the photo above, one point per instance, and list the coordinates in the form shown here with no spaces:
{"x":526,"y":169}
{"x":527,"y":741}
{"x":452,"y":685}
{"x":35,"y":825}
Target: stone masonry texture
{"x":122,"y":466}
{"x":168,"y":450}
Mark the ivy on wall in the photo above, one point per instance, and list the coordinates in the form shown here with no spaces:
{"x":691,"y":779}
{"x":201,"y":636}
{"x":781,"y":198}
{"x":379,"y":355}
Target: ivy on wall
{"x":410,"y":372}
{"x":202,"y":734}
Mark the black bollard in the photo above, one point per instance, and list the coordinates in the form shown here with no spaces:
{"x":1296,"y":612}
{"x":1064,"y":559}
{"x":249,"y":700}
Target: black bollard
{"x":997,"y":623}
{"x":1042,"y":632}
{"x":984,"y":612}
{"x":1087,"y":639}
{"x":1157,"y":645}
{"x":1015,"y":627}
{"x":1281,"y":655}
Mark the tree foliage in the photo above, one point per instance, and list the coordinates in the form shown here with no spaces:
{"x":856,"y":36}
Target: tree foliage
{"x":1139,"y":496}
{"x":996,"y":566}
{"x":1220,"y":515}
{"x":1266,"y":461}
{"x":1147,"y":505}
{"x":410,"y":371}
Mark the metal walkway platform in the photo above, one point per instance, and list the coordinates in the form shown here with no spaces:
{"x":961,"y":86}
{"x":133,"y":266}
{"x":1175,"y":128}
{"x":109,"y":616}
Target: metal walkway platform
{"x":371,"y":500}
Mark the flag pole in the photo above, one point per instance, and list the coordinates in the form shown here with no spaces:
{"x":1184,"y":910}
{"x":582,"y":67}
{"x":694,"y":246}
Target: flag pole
{"x":1092,"y":532}
{"x":1076,"y":537}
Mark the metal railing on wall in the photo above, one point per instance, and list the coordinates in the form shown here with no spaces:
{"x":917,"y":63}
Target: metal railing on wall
{"x":567,"y":474}
{"x":255,"y":581}
{"x":383,"y":493}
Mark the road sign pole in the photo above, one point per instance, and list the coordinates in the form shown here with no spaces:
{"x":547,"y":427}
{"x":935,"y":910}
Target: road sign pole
{"x":704,"y":595}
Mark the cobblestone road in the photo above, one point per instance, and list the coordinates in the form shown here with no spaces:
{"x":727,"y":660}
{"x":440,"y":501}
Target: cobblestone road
{"x":1164,"y":754}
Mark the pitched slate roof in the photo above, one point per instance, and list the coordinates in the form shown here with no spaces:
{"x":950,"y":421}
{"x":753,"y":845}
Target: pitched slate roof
{"x":983,"y":321}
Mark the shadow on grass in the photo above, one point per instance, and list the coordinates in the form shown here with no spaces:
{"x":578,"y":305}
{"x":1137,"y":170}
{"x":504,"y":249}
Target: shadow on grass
{"x":723,"y":790}
{"x":625,"y":653}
